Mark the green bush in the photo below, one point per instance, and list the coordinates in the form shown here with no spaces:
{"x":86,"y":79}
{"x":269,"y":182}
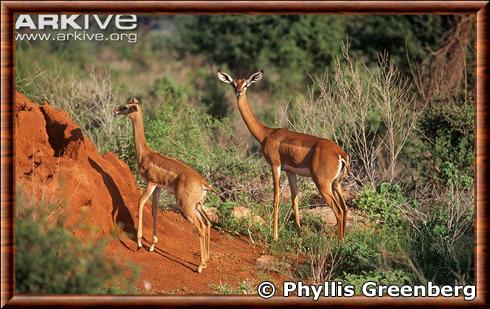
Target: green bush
{"x":165,"y":91}
{"x":361,"y":251}
{"x":211,"y":93}
{"x":443,"y":242}
{"x":186,"y":133}
{"x":50,"y":260}
{"x":282,"y":45}
{"x":227,"y":222}
{"x":448,"y":128}
{"x":382,"y":204}
{"x":180,"y":129}
{"x":399,"y":35}
{"x":364,"y":250}
{"x":442,"y":229}
{"x":244,"y":288}
{"x":396,"y":277}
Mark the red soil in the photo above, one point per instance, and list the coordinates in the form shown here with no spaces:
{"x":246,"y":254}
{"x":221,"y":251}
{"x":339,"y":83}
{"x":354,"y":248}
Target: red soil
{"x":55,"y":162}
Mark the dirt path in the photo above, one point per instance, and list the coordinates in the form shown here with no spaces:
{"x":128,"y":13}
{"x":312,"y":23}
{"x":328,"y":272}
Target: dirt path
{"x":171,"y":269}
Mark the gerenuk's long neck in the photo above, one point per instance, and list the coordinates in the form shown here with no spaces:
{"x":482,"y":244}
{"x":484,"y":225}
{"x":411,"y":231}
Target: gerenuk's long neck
{"x":257,"y":128}
{"x":139,"y":136}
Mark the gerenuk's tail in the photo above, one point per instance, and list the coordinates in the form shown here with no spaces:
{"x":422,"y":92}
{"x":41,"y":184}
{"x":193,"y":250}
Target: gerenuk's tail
{"x":346,"y":169}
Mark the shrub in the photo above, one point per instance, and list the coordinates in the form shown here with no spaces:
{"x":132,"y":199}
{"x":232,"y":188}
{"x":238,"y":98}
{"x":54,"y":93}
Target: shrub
{"x":211,"y":93}
{"x":447,"y":126}
{"x":442,"y":243}
{"x":383,"y":204}
{"x":246,"y":42}
{"x":89,"y":100}
{"x":229,"y":223}
{"x":244,"y":288}
{"x":50,"y":260}
{"x":442,"y":228}
{"x":364,"y":250}
{"x":369,"y":112}
{"x":323,"y":258}
{"x":181,"y":129}
{"x":361,"y":251}
{"x":396,"y":277}
{"x":166,"y":91}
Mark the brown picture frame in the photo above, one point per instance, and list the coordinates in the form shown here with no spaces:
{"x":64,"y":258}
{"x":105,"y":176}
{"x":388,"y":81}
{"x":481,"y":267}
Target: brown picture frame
{"x":9,"y":8}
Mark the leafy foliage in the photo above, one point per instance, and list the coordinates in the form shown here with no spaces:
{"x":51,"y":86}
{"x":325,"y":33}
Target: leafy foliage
{"x":245,"y":43}
{"x":383,"y":204}
{"x":398,"y":35}
{"x":448,"y":130}
{"x":308,"y":42}
{"x":244,"y":288}
{"x":395,"y":277}
{"x":50,"y":260}
{"x":444,"y":239}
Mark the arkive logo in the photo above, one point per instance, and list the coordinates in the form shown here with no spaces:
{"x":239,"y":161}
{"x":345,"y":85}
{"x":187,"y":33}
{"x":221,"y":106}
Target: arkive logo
{"x":75,"y":22}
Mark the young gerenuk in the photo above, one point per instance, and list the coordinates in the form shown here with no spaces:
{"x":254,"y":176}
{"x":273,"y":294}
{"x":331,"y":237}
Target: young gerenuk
{"x":162,"y":172}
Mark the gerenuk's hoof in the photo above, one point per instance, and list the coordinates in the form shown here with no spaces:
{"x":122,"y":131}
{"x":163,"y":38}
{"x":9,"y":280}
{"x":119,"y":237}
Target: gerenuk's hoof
{"x":155,"y":240}
{"x":200,"y":268}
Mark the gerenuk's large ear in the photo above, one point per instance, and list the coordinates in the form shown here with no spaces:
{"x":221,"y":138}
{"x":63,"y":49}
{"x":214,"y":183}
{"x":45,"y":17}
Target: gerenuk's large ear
{"x":255,"y":77}
{"x":225,"y":77}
